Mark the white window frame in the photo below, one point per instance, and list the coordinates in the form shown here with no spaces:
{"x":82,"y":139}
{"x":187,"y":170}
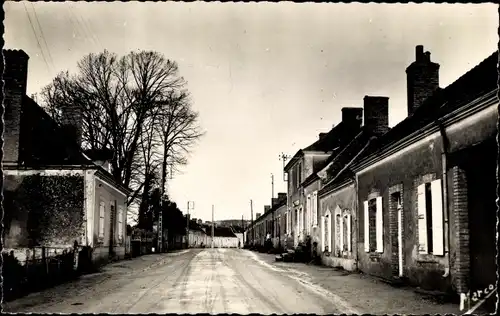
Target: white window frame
{"x":379,"y":225}
{"x":437,"y":219}
{"x":349,"y":237}
{"x":315,"y":209}
{"x":328,"y":216}
{"x":308,"y":213}
{"x":102,"y":216}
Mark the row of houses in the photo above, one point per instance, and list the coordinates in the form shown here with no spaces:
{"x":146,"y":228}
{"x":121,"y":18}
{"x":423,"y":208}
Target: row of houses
{"x":200,"y":236}
{"x":415,"y":203}
{"x":56,"y":195}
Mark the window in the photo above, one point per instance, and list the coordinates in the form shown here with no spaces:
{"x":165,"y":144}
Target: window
{"x":315,"y":208}
{"x":347,"y":233}
{"x":120,"y":223}
{"x":308,"y":212}
{"x":338,"y":234}
{"x":326,"y":229}
{"x":373,"y":225}
{"x":430,"y":218}
{"x":101,"y":219}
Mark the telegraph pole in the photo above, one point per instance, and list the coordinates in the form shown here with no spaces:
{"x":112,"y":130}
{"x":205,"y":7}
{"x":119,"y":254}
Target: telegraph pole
{"x":213,"y":226}
{"x":283,"y":157}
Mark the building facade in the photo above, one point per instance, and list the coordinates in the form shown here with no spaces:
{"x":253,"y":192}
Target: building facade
{"x":422,"y":218}
{"x":55,"y":195}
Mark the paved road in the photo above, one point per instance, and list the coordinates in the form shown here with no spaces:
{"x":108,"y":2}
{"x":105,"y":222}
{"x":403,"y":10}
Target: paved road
{"x":198,"y":281}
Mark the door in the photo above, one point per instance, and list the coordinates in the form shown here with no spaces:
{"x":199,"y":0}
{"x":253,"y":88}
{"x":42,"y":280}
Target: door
{"x":400,"y":240}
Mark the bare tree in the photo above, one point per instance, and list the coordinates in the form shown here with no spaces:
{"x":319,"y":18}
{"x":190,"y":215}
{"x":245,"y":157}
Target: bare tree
{"x":137,"y":106}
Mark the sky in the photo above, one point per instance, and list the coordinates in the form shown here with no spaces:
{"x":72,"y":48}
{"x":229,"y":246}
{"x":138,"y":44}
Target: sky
{"x":266,"y":78}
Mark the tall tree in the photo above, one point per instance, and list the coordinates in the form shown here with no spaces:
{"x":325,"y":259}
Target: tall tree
{"x":137,"y":106}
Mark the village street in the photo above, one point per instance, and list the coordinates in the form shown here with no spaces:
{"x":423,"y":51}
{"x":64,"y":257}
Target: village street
{"x":223,"y":281}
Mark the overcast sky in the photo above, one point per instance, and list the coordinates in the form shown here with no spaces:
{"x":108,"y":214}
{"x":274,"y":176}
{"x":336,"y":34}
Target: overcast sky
{"x":266,"y":78}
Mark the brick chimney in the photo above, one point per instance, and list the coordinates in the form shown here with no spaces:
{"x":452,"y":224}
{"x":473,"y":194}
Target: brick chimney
{"x":376,"y":114}
{"x":422,"y":78}
{"x":257,"y":215}
{"x":15,"y":78}
{"x":71,"y":121}
{"x":322,"y":135}
{"x":352,"y":117}
{"x":267,"y":208}
{"x":282,"y":197}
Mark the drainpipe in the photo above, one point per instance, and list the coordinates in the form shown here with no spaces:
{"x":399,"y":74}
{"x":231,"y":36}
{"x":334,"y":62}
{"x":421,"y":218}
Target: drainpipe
{"x":444,"y":160}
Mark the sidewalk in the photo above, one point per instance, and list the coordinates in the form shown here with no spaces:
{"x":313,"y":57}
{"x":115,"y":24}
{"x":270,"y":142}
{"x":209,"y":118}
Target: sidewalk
{"x":366,"y":294}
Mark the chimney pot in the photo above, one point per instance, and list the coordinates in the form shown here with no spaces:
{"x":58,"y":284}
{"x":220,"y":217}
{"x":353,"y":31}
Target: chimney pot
{"x":428,"y":56}
{"x":419,"y":52}
{"x":322,"y":135}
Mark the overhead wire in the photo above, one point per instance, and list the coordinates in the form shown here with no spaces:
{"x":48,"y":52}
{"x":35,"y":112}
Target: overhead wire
{"x":37,"y":40}
{"x":43,"y":37}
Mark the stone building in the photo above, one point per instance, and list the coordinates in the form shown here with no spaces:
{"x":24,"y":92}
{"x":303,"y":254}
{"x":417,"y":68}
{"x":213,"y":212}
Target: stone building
{"x":426,"y":190}
{"x":55,"y":194}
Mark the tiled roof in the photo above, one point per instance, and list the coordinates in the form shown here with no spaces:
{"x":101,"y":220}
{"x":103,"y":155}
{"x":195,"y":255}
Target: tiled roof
{"x":473,"y":84}
{"x":339,"y":170}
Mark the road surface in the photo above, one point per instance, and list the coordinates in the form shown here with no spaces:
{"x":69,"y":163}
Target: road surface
{"x":196,"y":281}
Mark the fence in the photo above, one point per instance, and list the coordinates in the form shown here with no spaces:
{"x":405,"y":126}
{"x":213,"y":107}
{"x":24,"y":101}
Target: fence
{"x":40,"y":268}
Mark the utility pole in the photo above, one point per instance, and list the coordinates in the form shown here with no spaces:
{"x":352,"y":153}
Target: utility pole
{"x":251,"y":220}
{"x":213,"y":226}
{"x":283,"y":157}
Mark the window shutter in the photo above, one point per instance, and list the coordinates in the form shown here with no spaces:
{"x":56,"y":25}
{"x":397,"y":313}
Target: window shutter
{"x":437,"y":218}
{"x":367,"y":230}
{"x":315,"y":208}
{"x":101,"y":219}
{"x":322,"y":224}
{"x":380,"y":225}
{"x":422,"y":220}
{"x":348,"y":232}
{"x":341,"y":232}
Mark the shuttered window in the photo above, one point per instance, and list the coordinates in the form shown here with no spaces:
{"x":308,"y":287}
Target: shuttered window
{"x":422,"y":219}
{"x":380,"y":225}
{"x":430,"y":218}
{"x":308,"y":213}
{"x":366,"y":221}
{"x":374,"y":225}
{"x":348,"y":232}
{"x":101,"y":219}
{"x":120,"y":223}
{"x":315,"y":208}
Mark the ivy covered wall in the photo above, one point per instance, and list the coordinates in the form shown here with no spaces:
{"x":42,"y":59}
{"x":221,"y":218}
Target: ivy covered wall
{"x":43,"y":210}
